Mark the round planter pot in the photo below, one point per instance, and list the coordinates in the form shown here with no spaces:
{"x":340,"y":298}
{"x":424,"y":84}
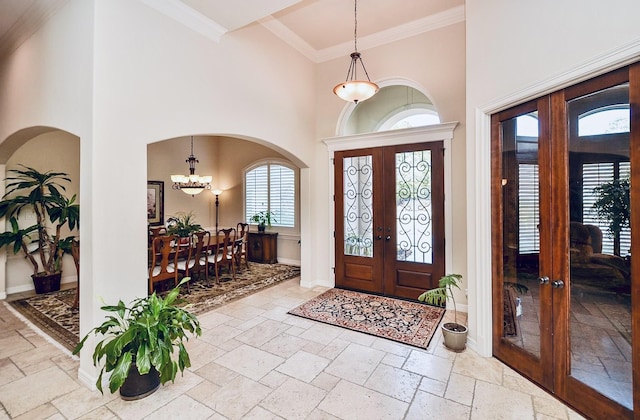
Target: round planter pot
{"x":46,"y":283}
{"x":455,"y":336}
{"x":138,"y":386}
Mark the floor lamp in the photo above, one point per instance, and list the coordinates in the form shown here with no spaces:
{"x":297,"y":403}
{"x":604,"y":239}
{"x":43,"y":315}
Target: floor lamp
{"x":217,"y":194}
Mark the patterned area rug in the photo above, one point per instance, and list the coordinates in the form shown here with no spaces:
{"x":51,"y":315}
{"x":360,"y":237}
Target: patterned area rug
{"x":52,"y":313}
{"x":407,"y":322}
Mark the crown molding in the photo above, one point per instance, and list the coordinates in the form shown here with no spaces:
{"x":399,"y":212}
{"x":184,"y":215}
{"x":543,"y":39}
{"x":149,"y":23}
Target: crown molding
{"x":290,"y":37}
{"x":28,"y":24}
{"x":416,"y":27}
{"x":189,"y":17}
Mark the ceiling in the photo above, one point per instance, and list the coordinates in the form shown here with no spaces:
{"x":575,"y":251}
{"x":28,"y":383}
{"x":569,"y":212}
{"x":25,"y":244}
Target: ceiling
{"x":320,"y":29}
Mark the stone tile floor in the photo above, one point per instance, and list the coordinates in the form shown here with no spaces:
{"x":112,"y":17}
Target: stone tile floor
{"x":255,"y":361}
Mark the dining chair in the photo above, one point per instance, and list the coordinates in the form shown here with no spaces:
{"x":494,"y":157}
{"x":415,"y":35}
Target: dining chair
{"x":155,"y":231}
{"x":224,"y":253}
{"x":164,"y":258}
{"x":197,"y":257}
{"x":241,"y":244}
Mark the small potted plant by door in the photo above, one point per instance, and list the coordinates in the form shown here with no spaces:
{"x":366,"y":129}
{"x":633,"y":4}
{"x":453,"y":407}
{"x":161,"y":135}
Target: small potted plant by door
{"x":454,"y":333}
{"x":40,"y":195}
{"x":263,"y":219}
{"x":139,"y":343}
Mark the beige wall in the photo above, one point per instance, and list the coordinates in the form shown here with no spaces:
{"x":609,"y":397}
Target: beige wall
{"x":56,"y":151}
{"x":434,"y":63}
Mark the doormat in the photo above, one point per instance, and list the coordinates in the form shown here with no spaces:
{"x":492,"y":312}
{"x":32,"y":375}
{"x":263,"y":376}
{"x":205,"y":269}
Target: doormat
{"x":52,"y":312}
{"x":403,"y":321}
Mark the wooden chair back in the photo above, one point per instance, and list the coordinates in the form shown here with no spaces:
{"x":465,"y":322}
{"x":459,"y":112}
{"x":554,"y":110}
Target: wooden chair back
{"x":164,"y":259}
{"x":241,"y":244}
{"x":224,"y":255}
{"x":155,"y":231}
{"x":199,"y":259}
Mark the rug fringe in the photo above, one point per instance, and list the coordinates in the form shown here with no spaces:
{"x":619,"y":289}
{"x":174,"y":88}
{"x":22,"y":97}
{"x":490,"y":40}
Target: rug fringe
{"x":38,"y":331}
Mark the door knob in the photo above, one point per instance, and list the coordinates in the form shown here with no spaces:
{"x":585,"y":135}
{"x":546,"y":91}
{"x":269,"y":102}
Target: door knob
{"x":379,"y":237}
{"x":388,"y":237}
{"x":543,"y":280}
{"x":557,"y":284}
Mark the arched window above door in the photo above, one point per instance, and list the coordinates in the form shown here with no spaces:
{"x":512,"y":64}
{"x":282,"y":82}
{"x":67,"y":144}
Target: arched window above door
{"x":393,"y":107}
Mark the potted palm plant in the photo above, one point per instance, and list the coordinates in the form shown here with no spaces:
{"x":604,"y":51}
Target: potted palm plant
{"x":613,"y":204}
{"x":40,"y":195}
{"x":454,"y":333}
{"x":139,"y":343}
{"x":263,"y":219}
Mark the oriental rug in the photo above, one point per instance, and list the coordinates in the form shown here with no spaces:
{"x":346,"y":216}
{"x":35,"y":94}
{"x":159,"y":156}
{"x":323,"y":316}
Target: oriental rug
{"x":53,"y":314}
{"x":407,"y":322}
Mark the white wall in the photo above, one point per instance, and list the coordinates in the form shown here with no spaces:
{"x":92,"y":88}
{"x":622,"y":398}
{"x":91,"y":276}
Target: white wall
{"x":518,"y":51}
{"x":120,"y":75}
{"x":156,"y":79}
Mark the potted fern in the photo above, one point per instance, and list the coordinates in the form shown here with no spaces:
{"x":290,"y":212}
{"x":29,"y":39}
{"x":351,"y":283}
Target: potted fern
{"x":183,"y":224}
{"x":41,"y":194}
{"x":454,"y":333}
{"x":139,"y":341}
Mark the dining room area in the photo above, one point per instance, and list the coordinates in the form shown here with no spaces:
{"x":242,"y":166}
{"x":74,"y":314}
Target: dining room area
{"x":204,"y":198}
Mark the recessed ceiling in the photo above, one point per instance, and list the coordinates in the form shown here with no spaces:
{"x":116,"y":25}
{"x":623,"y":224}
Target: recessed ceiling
{"x":320,"y":29}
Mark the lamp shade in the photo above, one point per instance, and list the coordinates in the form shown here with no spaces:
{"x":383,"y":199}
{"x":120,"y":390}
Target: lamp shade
{"x":355,"y":90}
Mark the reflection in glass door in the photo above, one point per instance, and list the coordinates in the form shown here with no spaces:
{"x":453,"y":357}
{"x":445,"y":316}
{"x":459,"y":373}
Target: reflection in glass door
{"x":562,"y":170}
{"x":600,"y":242}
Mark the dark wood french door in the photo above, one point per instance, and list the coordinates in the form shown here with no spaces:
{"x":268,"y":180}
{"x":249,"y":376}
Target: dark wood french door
{"x":564,"y":189}
{"x":389,"y":218}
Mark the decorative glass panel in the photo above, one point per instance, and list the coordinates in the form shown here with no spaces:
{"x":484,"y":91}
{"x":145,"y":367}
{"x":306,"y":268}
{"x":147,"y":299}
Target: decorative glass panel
{"x":413,"y":204}
{"x":358,"y":206}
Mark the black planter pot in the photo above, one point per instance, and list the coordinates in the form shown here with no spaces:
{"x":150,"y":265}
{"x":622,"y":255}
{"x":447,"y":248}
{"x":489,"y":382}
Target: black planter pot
{"x":46,"y":283}
{"x":262,"y":227}
{"x":138,"y":386}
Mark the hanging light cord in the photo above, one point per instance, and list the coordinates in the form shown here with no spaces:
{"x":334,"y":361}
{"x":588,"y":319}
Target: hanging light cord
{"x":355,"y":25}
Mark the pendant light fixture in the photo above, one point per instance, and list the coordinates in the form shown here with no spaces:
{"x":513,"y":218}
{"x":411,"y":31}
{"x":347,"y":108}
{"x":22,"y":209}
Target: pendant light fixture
{"x":191,"y":184}
{"x":354,"y":90}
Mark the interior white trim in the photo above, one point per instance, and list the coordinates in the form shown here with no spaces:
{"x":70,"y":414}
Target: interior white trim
{"x":479,"y":185}
{"x":427,"y":133}
{"x":416,"y":27}
{"x":189,"y":17}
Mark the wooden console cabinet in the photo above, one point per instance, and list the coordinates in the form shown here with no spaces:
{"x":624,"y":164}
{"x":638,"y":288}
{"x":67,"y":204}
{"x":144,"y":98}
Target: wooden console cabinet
{"x":263,"y":247}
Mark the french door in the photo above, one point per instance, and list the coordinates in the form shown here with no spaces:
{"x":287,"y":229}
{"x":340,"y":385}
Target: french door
{"x":389,"y":218}
{"x":563,"y":254}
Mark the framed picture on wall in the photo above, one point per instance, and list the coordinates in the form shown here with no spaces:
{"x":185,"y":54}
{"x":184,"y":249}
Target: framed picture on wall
{"x":155,"y":202}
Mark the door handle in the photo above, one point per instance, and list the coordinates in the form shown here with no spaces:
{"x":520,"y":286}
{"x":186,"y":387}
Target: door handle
{"x":379,"y":237}
{"x":557,"y":284}
{"x":543,"y":280}
{"x":388,"y":237}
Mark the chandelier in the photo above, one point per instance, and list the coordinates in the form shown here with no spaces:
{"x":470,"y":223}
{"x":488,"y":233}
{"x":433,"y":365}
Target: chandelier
{"x":191,"y":184}
{"x":352,"y":89}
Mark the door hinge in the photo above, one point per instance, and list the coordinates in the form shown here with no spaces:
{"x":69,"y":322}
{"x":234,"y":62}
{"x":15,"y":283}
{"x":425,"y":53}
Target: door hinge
{"x":333,"y":161}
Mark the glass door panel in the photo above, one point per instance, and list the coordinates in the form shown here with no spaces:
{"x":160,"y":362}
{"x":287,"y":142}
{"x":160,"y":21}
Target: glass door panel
{"x":521,"y":235}
{"x":414,"y":239}
{"x":600,"y":242}
{"x":358,"y":206}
